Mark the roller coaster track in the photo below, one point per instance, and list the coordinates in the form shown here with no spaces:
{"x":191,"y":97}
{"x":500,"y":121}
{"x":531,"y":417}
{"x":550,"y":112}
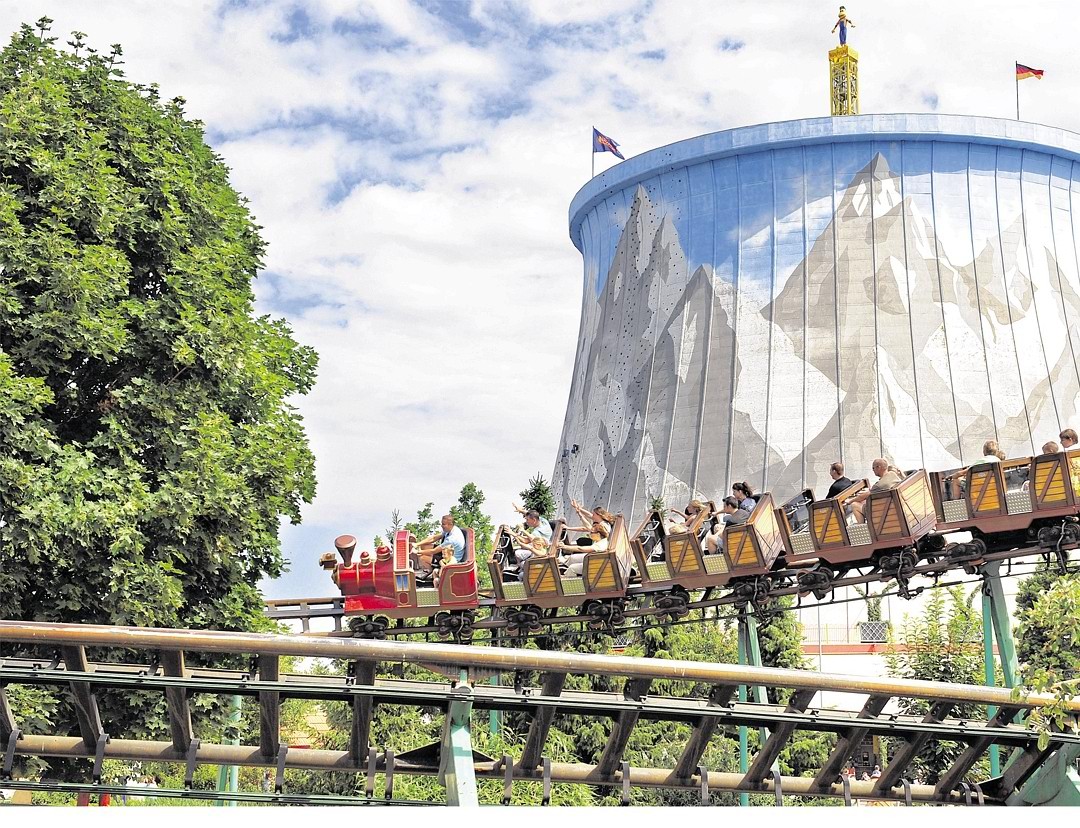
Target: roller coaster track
{"x":643,"y":599}
{"x":55,"y":655}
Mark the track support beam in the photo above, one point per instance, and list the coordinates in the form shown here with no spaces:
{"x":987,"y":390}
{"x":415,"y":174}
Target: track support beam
{"x":704,"y":728}
{"x":847,"y":742}
{"x":634,"y":690}
{"x":269,"y":707}
{"x":172,"y":662}
{"x":552,"y":686}
{"x":363,"y":709}
{"x":765,"y":761}
{"x":456,"y":769}
{"x":86,"y":708}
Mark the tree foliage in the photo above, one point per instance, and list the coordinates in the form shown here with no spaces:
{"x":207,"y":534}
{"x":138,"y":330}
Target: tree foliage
{"x":425,"y":522}
{"x":1049,"y":634}
{"x":468,"y":511}
{"x":539,"y":496}
{"x":942,"y":644}
{"x":147,"y":448}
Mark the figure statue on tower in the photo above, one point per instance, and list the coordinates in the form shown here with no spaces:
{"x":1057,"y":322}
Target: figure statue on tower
{"x":842,"y":23}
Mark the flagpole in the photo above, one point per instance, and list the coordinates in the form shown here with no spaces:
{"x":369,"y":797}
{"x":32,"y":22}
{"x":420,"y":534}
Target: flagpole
{"x":592,"y":153}
{"x":1016,"y":80}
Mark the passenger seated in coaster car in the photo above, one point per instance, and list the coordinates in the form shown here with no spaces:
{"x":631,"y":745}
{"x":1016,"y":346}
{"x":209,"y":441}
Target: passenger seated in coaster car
{"x":743,"y":493}
{"x":433,"y":551}
{"x":731,"y":514}
{"x":597,"y":541}
{"x":840,"y":482}
{"x":956,"y":481}
{"x":536,"y":529}
{"x":682,"y":521}
{"x":598,"y":515}
{"x":529,"y":546}
{"x":888,"y":477}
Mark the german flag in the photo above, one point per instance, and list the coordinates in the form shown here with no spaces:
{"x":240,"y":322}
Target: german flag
{"x":1024,"y":72}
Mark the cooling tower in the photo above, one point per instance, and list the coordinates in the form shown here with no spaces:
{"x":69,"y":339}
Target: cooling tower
{"x":763,"y":301}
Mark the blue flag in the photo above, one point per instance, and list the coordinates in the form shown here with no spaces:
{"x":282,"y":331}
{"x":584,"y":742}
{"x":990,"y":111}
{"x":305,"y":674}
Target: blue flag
{"x":601,"y":143}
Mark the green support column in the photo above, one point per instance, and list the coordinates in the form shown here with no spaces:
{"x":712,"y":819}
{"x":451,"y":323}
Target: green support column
{"x":456,"y":770}
{"x":997,"y":610}
{"x":1002,"y":623}
{"x":750,"y":654}
{"x":229,"y":775}
{"x":493,"y":714}
{"x":988,"y":661}
{"x":744,"y":759}
{"x":1055,"y":783}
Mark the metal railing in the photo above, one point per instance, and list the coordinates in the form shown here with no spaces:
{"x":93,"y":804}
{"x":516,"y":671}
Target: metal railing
{"x":470,"y":666}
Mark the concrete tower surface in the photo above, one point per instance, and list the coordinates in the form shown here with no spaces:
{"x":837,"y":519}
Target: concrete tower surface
{"x":763,"y":301}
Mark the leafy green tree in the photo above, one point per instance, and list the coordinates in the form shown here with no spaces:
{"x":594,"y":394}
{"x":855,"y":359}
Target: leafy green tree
{"x":148,"y":446}
{"x":1049,"y":632}
{"x":396,"y":525}
{"x":1030,"y":649}
{"x":469,"y":512}
{"x":943,"y":644}
{"x":425,"y":522}
{"x":538,"y":496}
{"x":780,"y":637}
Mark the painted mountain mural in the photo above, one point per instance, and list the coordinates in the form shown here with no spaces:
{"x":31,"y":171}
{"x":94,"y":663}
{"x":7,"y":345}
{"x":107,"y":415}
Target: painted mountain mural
{"x":899,"y":330}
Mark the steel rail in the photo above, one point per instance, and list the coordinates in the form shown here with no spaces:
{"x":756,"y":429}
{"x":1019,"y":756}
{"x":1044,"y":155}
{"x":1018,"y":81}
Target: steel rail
{"x":339,"y":760}
{"x":504,"y":659}
{"x":205,"y":795}
{"x":489,"y":697}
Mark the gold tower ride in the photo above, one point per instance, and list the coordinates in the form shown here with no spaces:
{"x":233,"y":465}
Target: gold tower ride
{"x":844,"y":81}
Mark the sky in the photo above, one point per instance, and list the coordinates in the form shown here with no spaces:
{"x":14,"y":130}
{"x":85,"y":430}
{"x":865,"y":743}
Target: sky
{"x":412,"y":162}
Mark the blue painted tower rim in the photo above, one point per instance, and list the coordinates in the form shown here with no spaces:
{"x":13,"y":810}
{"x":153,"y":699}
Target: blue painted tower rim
{"x":971,"y":129}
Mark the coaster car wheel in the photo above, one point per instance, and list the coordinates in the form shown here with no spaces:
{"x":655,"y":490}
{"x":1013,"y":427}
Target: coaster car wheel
{"x":751,"y":590}
{"x":1064,"y":534}
{"x":456,"y":624}
{"x":898,"y":563}
{"x":604,"y":614}
{"x":818,"y":580}
{"x":931,"y":546}
{"x":969,"y":555}
{"x":369,"y":626}
{"x":524,"y":619}
{"x":673,"y":604}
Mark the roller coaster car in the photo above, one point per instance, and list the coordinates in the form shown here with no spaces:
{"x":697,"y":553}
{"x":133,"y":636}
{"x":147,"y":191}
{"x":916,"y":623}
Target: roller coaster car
{"x":896,"y":521}
{"x":599,"y":591}
{"x":794,"y":519}
{"x":664,"y":560}
{"x":383,"y":582}
{"x":752,"y":549}
{"x":1006,"y":504}
{"x":648,"y":540}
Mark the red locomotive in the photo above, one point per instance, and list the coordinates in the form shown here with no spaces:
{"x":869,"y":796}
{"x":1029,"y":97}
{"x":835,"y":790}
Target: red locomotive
{"x":381,"y":585}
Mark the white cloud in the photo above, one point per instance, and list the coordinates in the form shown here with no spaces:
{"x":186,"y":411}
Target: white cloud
{"x":413,"y":175}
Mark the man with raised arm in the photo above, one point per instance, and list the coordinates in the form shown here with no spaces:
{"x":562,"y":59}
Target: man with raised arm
{"x":535,"y":540}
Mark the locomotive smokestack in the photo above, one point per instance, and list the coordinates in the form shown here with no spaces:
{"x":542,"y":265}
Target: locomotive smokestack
{"x":346,"y":545}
